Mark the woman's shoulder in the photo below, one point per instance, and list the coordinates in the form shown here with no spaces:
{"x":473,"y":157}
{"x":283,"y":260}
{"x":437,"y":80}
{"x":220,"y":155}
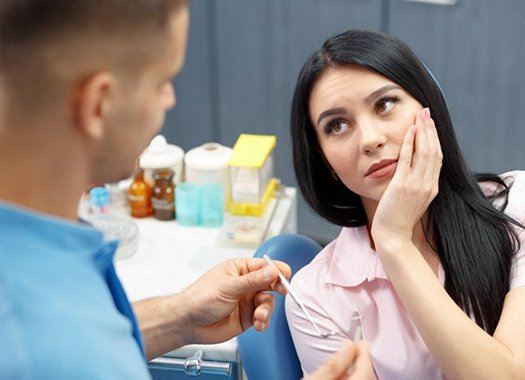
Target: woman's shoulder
{"x":515,"y":180}
{"x":319,"y":266}
{"x":516,"y":209}
{"x":514,"y":177}
{"x":319,"y":271}
{"x":316,"y":267}
{"x":516,"y":197}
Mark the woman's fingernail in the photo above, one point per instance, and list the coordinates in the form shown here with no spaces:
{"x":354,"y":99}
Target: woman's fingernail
{"x":263,"y":326}
{"x":425,"y":114}
{"x":265,"y":314}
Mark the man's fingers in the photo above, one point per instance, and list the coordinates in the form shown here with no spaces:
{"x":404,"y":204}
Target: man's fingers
{"x":362,"y":368}
{"x":253,"y":264}
{"x":283,"y":268}
{"x":278,"y":287}
{"x":264,"y":304}
{"x":258,"y":276}
{"x":337,"y":365}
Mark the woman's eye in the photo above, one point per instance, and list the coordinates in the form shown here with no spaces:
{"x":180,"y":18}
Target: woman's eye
{"x":386,"y":105}
{"x":336,"y":127}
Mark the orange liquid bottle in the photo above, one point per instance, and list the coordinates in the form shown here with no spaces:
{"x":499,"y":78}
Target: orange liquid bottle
{"x":139,"y":196}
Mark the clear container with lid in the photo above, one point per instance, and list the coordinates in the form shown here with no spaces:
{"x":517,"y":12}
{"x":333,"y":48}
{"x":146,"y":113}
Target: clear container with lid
{"x":161,"y":155}
{"x":208,"y":164}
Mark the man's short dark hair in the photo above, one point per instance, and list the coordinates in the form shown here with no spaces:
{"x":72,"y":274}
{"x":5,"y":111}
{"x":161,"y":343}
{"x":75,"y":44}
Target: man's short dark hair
{"x":25,"y":21}
{"x":36,"y":34}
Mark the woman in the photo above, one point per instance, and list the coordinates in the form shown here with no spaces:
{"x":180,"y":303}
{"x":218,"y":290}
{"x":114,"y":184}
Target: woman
{"x":429,"y":263}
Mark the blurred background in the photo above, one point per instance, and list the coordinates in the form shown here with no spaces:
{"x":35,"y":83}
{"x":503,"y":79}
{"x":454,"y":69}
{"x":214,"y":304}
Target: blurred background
{"x":244,"y":57}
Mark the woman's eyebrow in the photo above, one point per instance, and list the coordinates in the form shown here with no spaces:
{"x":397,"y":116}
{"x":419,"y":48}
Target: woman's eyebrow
{"x":330,"y":112}
{"x":368,"y":99}
{"x":377,"y":93}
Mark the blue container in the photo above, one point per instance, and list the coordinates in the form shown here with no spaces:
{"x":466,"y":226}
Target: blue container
{"x":211,"y":205}
{"x":187,"y":204}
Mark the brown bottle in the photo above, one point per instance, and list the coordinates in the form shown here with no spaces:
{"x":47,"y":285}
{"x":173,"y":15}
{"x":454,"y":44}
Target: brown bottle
{"x":139,"y":196}
{"x":163,"y":197}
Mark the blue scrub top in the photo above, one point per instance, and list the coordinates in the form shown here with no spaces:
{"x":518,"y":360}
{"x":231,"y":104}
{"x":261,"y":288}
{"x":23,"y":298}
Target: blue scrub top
{"x":63,"y":311}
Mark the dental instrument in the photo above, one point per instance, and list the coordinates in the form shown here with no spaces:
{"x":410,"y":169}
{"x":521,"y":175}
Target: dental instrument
{"x":299,"y":301}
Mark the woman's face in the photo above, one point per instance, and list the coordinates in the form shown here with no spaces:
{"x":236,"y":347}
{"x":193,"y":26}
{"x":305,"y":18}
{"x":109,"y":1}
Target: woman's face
{"x":360,"y":118}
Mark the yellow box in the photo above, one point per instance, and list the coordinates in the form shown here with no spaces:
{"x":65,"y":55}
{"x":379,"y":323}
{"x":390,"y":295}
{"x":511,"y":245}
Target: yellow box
{"x":255,"y":209}
{"x":251,"y":151}
{"x":251,"y":174}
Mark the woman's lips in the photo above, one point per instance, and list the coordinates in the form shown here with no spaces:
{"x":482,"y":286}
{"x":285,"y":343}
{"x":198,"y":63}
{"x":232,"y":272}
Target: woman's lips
{"x":384,"y":171}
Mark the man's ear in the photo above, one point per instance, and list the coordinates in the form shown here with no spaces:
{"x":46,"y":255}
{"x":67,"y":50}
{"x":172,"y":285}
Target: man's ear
{"x":94,"y":101}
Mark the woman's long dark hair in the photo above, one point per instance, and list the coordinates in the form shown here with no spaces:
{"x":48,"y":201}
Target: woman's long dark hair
{"x":475,"y":240}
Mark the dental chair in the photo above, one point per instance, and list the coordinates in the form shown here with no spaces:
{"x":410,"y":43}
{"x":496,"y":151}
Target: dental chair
{"x":271,"y":354}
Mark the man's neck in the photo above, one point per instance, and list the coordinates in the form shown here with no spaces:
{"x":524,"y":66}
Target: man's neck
{"x":42,"y":175}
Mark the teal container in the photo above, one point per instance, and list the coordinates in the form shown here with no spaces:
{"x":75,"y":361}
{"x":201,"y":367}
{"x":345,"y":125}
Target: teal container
{"x":187,"y":204}
{"x":211,"y":205}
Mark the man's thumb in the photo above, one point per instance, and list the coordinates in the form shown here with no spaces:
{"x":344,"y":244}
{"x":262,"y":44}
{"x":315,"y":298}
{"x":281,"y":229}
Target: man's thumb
{"x":338,"y":363}
{"x":256,"y":281}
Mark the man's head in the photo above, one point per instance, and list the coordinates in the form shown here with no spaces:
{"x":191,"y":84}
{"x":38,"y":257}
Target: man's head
{"x":97,"y":73}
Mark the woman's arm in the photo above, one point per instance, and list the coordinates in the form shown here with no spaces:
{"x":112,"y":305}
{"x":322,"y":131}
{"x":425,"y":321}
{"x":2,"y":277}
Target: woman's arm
{"x":460,"y":347}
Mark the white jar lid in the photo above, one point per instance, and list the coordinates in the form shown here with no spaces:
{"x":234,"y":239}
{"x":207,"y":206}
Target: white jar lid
{"x":159,"y":154}
{"x":208,"y":157}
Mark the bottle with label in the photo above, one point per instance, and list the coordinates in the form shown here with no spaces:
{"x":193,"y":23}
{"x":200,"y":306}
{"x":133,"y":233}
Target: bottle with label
{"x":163,"y":197}
{"x":139,"y":196}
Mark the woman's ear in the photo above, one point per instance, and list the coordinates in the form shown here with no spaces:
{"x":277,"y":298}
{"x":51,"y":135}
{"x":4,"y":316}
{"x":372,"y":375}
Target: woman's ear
{"x":94,"y":100}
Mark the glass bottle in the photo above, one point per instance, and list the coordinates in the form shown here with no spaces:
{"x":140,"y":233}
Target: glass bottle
{"x":139,"y":196}
{"x":163,"y":197}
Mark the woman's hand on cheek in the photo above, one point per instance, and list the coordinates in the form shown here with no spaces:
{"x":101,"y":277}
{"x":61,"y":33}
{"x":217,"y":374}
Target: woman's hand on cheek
{"x":413,"y":186}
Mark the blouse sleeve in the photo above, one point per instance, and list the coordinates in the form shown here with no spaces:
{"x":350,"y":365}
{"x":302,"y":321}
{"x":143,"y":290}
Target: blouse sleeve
{"x":312,"y":350}
{"x":516,"y":210}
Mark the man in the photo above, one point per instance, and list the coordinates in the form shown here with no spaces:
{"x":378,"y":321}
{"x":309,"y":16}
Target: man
{"x":84,"y":85}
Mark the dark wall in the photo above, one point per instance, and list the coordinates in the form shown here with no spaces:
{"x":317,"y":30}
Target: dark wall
{"x":244,"y":57}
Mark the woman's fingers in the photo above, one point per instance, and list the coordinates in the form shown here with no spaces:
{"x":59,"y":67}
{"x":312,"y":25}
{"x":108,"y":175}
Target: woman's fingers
{"x":422,"y":150}
{"x":427,"y":157}
{"x":432,"y":161}
{"x":407,"y":150}
{"x":438,"y":161}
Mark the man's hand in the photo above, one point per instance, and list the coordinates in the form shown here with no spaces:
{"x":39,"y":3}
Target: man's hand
{"x":351,"y":362}
{"x":230,"y":298}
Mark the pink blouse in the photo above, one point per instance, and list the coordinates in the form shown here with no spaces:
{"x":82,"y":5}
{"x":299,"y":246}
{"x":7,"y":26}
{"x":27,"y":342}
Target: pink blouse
{"x":347,"y":279}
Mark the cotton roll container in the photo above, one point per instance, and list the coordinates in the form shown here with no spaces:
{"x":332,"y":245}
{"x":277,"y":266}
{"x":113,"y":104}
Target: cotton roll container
{"x":161,"y":155}
{"x":208,"y":163}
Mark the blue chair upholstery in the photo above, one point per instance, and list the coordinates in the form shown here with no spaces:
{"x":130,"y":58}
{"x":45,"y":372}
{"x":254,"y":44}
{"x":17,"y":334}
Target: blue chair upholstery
{"x":271,"y":354}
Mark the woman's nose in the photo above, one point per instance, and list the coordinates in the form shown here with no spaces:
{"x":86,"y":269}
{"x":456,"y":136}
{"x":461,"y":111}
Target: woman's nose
{"x":372,"y":137}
